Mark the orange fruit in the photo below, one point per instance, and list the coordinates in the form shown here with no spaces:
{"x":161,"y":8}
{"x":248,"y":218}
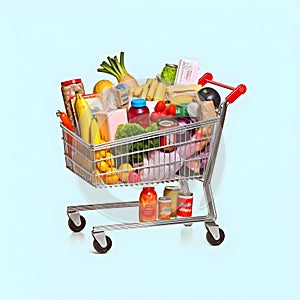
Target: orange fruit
{"x":111,"y":177}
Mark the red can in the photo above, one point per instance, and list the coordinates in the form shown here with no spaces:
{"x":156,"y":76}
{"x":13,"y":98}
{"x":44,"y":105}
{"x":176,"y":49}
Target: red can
{"x":185,"y":204}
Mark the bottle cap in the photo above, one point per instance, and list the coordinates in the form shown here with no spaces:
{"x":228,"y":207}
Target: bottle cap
{"x":138,"y":102}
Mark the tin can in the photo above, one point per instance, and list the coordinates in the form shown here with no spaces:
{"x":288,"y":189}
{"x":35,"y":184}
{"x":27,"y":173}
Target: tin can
{"x":164,"y":208}
{"x":68,"y":89}
{"x":168,"y":73}
{"x":172,"y":192}
{"x":184,"y":204}
{"x":168,"y":140}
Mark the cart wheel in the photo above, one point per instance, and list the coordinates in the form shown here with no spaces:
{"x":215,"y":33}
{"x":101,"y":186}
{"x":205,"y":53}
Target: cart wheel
{"x":76,"y":228}
{"x":212,"y":240}
{"x":99,"y":248}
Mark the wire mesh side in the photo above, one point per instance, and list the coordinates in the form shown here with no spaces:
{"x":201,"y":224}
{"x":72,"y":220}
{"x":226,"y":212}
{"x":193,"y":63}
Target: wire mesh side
{"x":143,"y":159}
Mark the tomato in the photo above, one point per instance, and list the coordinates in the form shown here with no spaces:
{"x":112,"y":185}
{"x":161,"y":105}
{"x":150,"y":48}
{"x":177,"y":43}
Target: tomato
{"x":165,"y":112}
{"x":171,"y":109}
{"x":155,"y":116}
{"x":160,"y":106}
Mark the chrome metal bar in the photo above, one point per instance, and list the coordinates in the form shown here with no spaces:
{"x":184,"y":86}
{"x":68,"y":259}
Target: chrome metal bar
{"x":121,"y":226}
{"x":211,"y":164}
{"x":102,"y":206}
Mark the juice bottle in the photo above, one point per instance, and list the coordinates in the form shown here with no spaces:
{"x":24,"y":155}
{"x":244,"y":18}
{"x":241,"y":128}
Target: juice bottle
{"x":147,"y":205}
{"x":139,"y":112}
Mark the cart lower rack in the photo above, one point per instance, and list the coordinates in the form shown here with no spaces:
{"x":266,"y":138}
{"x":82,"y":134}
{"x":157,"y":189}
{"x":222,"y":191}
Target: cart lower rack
{"x":192,"y":157}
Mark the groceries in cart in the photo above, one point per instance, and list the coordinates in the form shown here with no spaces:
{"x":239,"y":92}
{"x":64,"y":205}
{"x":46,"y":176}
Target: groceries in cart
{"x":176,"y":202}
{"x":163,"y":129}
{"x":129,"y":131}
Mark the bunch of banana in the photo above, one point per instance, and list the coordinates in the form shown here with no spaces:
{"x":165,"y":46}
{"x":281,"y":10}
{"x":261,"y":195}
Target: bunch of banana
{"x":105,"y":160}
{"x":94,"y":135}
{"x":151,"y":90}
{"x":84,"y":116}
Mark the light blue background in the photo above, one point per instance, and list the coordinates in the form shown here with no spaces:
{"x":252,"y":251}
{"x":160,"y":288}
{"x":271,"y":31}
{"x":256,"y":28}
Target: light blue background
{"x":252,"y":42}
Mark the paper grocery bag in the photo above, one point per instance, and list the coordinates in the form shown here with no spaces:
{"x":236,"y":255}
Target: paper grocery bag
{"x":206,"y":111}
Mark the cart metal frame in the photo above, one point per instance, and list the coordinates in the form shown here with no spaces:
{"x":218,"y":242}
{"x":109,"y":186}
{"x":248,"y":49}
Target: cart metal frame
{"x":102,"y":243}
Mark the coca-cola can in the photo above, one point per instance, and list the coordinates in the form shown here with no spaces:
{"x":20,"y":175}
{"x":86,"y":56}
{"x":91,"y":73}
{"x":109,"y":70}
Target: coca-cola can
{"x":185,"y":204}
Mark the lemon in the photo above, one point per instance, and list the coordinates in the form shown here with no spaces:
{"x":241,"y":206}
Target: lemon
{"x":101,"y":153}
{"x":110,"y":162}
{"x":101,"y":86}
{"x":124,"y":169}
{"x":102,"y":166}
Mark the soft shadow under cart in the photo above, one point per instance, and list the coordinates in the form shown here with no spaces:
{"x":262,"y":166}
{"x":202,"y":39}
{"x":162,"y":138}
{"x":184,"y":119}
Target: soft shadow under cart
{"x":82,"y":159}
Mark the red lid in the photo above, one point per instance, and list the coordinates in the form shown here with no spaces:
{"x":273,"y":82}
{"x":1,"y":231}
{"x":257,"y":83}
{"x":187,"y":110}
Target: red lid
{"x":72,"y":81}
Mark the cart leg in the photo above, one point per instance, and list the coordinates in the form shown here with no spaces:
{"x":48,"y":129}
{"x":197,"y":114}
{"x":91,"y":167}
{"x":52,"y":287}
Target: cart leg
{"x":215,"y":235}
{"x":213,"y":228}
{"x":76,"y":221}
{"x":100,"y":238}
{"x":74,"y":215}
{"x":101,"y":243}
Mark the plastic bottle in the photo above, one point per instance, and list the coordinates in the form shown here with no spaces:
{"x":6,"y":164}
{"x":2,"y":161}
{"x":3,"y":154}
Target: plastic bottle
{"x":139,"y":112}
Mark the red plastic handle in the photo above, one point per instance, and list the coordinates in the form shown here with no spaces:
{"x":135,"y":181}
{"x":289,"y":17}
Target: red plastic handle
{"x":235,"y":91}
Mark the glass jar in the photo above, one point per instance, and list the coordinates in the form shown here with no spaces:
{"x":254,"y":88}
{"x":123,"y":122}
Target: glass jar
{"x":168,"y":74}
{"x":148,"y":204}
{"x":139,"y":112}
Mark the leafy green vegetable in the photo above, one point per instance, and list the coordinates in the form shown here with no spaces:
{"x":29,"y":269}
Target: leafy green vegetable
{"x":133,"y":129}
{"x":129,"y":129}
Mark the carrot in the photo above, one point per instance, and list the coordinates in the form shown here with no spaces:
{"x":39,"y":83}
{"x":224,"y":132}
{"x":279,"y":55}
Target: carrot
{"x":65,"y":120}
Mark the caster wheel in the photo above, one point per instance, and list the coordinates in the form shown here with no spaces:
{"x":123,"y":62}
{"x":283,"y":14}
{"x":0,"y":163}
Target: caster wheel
{"x":212,"y":240}
{"x":76,"y":228}
{"x":99,"y":248}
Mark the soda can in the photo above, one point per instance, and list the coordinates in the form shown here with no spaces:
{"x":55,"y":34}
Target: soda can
{"x":164,"y":208}
{"x":184,"y":204}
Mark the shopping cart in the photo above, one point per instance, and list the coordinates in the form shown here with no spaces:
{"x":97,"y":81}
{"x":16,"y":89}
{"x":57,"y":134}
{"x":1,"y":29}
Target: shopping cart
{"x":194,"y":159}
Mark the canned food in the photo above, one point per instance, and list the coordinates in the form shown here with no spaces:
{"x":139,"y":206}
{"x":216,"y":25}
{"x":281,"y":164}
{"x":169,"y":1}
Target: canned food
{"x":168,"y":74}
{"x":184,"y":204}
{"x":164,"y":208}
{"x":172,"y":193}
{"x":169,"y":139}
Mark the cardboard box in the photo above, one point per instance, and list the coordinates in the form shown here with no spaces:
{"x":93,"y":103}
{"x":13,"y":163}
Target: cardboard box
{"x":109,"y":121}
